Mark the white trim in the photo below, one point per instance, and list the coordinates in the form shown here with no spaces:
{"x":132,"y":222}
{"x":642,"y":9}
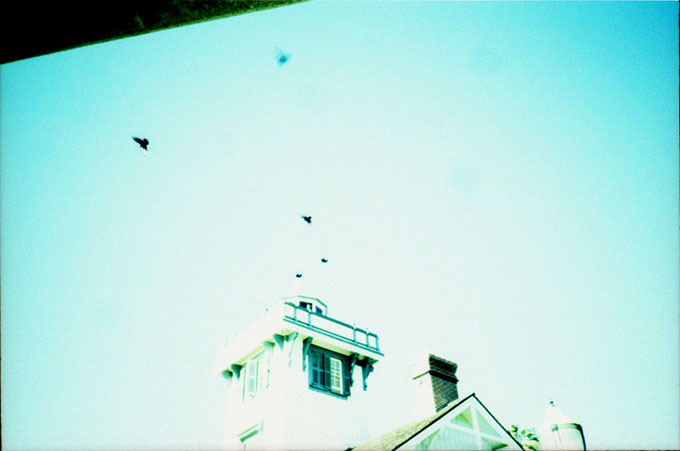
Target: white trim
{"x":475,"y":426}
{"x":475,"y":409}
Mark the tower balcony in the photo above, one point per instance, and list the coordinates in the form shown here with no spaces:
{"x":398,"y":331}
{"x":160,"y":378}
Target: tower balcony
{"x":308,"y":317}
{"x":305,"y":313}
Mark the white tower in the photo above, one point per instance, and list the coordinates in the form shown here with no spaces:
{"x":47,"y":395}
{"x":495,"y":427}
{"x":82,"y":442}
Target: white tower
{"x":297,"y":380}
{"x":557,"y":432}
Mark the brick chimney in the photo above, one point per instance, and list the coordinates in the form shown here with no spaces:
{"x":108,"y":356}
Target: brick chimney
{"x":436,"y":384}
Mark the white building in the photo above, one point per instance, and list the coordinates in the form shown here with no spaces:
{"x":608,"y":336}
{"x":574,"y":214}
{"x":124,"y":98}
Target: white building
{"x":297,"y":364}
{"x":290,"y":369}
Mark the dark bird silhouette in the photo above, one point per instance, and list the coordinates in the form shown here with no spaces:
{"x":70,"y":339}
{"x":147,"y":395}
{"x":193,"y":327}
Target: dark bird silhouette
{"x":308,"y":219}
{"x":282,"y":57}
{"x":324,"y":260}
{"x":298,"y":276}
{"x":143,"y":143}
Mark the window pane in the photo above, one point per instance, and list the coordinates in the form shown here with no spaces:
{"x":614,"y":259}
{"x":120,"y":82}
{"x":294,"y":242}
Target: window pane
{"x":317,"y":360}
{"x":251,"y":378}
{"x":336,"y":375}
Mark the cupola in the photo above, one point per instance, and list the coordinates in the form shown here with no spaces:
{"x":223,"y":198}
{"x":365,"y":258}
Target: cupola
{"x":558,"y":432}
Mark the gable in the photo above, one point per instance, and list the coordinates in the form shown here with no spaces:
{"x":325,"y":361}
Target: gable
{"x":469,"y":425}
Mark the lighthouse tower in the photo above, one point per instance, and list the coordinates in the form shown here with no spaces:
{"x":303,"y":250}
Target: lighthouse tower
{"x":297,"y":379}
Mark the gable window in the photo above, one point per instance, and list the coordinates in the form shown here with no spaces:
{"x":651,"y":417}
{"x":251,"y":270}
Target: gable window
{"x":256,"y":377}
{"x":329,"y":371}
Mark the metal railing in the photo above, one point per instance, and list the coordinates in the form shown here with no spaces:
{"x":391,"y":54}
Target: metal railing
{"x":331,"y":327}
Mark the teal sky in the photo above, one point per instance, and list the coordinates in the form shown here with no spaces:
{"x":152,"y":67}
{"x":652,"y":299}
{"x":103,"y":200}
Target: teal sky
{"x":494,"y":182}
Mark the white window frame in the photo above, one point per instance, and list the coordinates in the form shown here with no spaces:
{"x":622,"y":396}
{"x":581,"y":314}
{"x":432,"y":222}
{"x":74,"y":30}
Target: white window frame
{"x":336,"y":375}
{"x":256,"y":376}
{"x":482,"y":439}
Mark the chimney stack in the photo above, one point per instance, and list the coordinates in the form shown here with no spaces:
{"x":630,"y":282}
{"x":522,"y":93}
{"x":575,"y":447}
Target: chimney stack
{"x":436,"y":384}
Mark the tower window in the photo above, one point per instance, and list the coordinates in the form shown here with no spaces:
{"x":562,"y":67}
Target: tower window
{"x":329,"y":371}
{"x":256,"y":377}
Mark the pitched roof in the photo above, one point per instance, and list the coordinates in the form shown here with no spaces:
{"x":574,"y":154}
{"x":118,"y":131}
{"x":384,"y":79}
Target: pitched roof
{"x":392,"y":440}
{"x":397,"y":437}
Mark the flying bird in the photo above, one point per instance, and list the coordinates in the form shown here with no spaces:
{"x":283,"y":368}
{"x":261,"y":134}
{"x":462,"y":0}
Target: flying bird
{"x":324,"y":260}
{"x":282,"y":57}
{"x":298,"y":275}
{"x":308,"y":219}
{"x":143,"y":143}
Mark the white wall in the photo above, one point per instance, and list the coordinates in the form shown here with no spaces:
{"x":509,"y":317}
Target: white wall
{"x":292,"y":415}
